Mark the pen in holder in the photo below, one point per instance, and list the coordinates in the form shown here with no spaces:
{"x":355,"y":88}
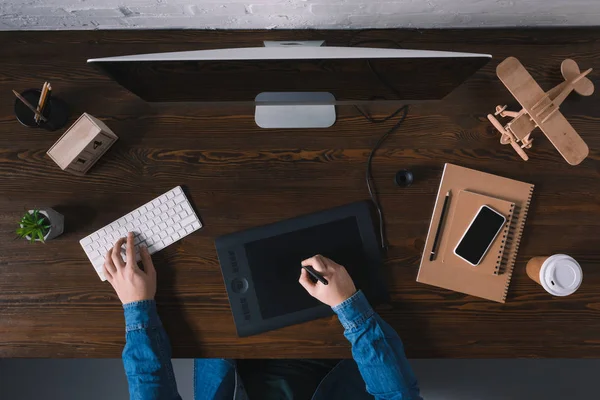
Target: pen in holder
{"x":55,"y":112}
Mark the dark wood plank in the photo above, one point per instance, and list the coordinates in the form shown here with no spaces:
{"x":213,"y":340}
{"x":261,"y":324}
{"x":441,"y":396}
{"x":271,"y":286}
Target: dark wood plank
{"x":238,"y":176}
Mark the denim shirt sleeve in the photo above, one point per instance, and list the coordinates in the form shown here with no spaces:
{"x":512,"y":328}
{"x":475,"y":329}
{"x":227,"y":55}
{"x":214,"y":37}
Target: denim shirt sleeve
{"x":147,"y":354}
{"x":377,"y":350}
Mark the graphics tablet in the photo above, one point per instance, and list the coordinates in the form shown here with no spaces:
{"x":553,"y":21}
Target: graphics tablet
{"x":261,"y":266}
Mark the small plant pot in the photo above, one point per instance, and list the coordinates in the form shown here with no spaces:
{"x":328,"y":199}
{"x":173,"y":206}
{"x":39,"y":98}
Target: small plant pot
{"x":57,"y":223}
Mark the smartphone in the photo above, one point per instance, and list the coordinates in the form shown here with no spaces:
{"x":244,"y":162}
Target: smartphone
{"x":480,"y":235}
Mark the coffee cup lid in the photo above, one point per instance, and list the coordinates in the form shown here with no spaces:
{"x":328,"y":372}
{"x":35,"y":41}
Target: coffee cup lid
{"x":561,"y":275}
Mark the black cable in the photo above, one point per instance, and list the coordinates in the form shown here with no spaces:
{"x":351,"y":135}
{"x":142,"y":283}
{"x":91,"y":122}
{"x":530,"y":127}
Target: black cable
{"x":369,"y":176}
{"x":404,"y":110}
{"x":370,"y":118}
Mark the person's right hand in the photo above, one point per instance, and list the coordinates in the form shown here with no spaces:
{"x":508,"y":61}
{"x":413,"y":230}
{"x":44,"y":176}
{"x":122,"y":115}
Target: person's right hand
{"x":128,"y":280}
{"x":340,"y":287}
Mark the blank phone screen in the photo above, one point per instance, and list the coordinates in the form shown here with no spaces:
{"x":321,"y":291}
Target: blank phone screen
{"x":480,"y":235}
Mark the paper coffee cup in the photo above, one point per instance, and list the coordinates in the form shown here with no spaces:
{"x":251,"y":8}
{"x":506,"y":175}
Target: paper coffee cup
{"x":559,"y":274}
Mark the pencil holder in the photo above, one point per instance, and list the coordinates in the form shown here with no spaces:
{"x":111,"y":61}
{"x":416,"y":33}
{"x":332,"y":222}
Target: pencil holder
{"x":56,"y":111}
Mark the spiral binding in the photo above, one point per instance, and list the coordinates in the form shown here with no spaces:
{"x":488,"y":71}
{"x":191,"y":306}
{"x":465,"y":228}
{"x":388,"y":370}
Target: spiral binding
{"x":507,"y":238}
{"x":510,"y":262}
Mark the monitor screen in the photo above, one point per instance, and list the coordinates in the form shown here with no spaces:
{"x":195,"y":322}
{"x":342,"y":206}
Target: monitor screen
{"x":375,"y":74}
{"x":275,"y":263}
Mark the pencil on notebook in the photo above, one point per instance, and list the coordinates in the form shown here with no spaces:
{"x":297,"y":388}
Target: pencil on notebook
{"x":439,"y":228}
{"x":32,"y":108}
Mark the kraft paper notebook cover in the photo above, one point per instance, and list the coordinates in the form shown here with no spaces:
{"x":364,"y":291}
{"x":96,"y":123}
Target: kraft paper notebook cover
{"x":466,"y":206}
{"x":457,"y":277}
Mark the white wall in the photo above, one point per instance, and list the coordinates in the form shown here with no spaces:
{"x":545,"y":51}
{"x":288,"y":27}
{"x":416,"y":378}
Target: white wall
{"x":279,"y":14}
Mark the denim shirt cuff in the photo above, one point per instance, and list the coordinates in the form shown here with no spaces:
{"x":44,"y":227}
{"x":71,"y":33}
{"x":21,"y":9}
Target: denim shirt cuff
{"x":353,"y":312}
{"x":141,"y":315}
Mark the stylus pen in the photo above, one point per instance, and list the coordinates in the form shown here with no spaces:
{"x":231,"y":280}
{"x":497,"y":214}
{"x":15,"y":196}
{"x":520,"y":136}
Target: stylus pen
{"x":315,"y":275}
{"x":439,"y":229}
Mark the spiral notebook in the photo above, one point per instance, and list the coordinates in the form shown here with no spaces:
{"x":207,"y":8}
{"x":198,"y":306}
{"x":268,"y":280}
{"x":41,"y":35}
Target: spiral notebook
{"x":461,"y":212}
{"x":470,"y":189}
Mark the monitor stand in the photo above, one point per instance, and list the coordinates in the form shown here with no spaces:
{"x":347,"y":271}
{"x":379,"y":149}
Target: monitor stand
{"x":297,"y":110}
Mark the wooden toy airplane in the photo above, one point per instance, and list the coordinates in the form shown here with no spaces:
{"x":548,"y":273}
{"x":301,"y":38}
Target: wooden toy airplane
{"x":540,"y":109}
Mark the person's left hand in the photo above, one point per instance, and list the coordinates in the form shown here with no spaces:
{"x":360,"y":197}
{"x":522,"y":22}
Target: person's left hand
{"x":128,"y":280}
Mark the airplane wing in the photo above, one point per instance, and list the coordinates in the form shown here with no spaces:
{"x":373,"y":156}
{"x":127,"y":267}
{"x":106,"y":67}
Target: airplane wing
{"x":542,"y":111}
{"x":520,"y":83}
{"x":564,"y":137}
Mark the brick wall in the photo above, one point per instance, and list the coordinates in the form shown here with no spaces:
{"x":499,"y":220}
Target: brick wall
{"x":273,"y":14}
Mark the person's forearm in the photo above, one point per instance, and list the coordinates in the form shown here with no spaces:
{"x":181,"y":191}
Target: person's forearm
{"x":377,"y":350}
{"x":147,"y":354}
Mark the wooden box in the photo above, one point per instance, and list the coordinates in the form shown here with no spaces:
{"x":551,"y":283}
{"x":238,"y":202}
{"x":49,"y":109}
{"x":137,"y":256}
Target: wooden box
{"x":82,"y":145}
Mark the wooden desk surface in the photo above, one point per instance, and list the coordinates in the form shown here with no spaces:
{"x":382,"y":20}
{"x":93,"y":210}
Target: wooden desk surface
{"x":52,"y":304}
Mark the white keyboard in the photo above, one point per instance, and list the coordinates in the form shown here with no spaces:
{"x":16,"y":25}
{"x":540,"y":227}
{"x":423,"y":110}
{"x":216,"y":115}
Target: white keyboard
{"x":156,"y":224}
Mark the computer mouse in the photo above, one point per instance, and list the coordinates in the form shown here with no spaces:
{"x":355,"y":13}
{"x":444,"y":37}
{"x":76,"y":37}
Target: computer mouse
{"x":404,"y":178}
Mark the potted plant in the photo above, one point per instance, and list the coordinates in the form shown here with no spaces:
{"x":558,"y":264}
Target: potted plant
{"x":41,"y":225}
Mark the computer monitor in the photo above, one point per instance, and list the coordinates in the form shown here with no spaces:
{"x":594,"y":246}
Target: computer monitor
{"x":293,"y":84}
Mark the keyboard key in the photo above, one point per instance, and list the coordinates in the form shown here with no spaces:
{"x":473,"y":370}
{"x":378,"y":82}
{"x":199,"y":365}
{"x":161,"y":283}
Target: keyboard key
{"x":177,"y":190}
{"x":179,"y":199}
{"x":99,"y":261}
{"x":95,"y":236}
{"x":158,"y":246}
{"x":86,"y":241}
{"x":188,"y":220}
{"x":189,"y":228}
{"x":196,"y":225}
{"x":156,"y":203}
{"x":178,"y":208}
{"x":170,"y":203}
{"x":170,"y":230}
{"x":129,"y":217}
{"x":135,"y":214}
{"x":170,"y":195}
